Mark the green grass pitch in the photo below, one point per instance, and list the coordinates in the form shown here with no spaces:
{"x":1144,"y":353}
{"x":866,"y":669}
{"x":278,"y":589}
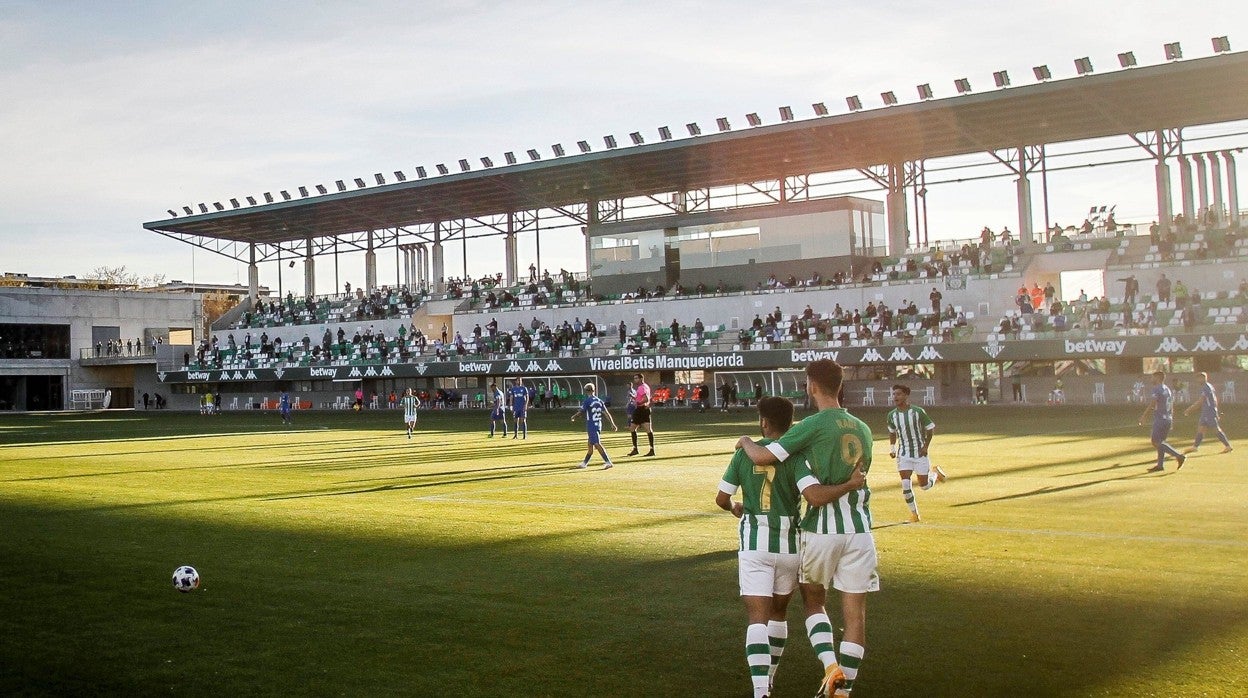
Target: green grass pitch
{"x":339,"y":558}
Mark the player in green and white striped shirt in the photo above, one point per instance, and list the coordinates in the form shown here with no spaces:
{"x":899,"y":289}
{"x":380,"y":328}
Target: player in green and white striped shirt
{"x":910,"y":432}
{"x":410,"y":402}
{"x":830,"y":452}
{"x":767,"y":556}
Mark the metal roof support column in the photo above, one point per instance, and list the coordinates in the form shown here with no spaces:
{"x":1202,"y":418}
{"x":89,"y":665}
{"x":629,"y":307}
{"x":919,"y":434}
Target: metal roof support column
{"x":309,"y":270}
{"x":591,"y":222}
{"x":253,"y":277}
{"x":1026,"y":226}
{"x":1161,"y":144}
{"x":370,"y":266}
{"x":1215,"y":183}
{"x":1186,"y":194}
{"x":511,"y":259}
{"x":1202,"y":188}
{"x":1232,"y":189}
{"x":424,"y":266}
{"x":439,"y":273}
{"x":398,"y":271}
{"x":895,"y":207}
{"x":1165,"y":204}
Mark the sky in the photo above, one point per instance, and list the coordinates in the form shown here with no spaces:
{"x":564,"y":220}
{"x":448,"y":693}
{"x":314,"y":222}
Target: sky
{"x":114,"y":112}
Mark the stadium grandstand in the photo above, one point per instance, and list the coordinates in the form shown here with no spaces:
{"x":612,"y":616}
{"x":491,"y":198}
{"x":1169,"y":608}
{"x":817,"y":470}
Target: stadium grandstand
{"x":734,"y":258}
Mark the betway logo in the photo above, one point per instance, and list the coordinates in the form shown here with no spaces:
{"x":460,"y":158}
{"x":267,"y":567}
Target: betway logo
{"x":801,"y":357}
{"x":322,"y":372}
{"x":198,"y":375}
{"x":474,"y":367}
{"x":1094,"y":346}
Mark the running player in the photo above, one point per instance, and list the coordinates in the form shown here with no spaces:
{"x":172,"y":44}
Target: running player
{"x":910,"y":432}
{"x":519,"y":407}
{"x":1162,"y":407}
{"x":284,"y":405}
{"x":1208,"y":405}
{"x":593,"y":408}
{"x":498,"y":413}
{"x":641,"y":413}
{"x":409,"y":402}
{"x":830,"y":452}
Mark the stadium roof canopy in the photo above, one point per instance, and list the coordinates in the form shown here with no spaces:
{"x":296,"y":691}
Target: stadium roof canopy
{"x":1133,"y":101}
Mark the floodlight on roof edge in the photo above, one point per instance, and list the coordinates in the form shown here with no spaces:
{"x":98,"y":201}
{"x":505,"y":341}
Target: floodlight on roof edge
{"x":1083,"y":66}
{"x":1173,"y":51}
{"x":398,"y":174}
{"x":303,"y":192}
{"x":1126,"y":59}
{"x":487,"y":162}
{"x":268,"y":198}
{"x":753,"y":119}
{"x":234,"y":203}
{"x":584,"y":146}
{"x":421,"y":172}
{"x":1221,"y":44}
{"x":442,"y":169}
{"x":694,"y":129}
{"x":636,"y":138}
{"x":854,"y":103}
{"x":172,"y":212}
{"x":203,"y":208}
{"x":342,"y":186}
{"x":722,"y":123}
{"x":1001,"y":78}
{"x":217,"y":205}
{"x":320,"y":189}
{"x":820,"y":109}
{"x":534,"y":155}
{"x":380,"y":179}
{"x":786,"y":113}
{"x":665,"y":133}
{"x":925,"y":90}
{"x":889,"y":98}
{"x":285,"y":195}
{"x":557,"y":148}
{"x":360,"y":183}
{"x":510,"y":157}
{"x":962,"y":85}
{"x":188,"y":210}
{"x":251,"y":201}
{"x":463,"y":165}
{"x":1042,"y":73}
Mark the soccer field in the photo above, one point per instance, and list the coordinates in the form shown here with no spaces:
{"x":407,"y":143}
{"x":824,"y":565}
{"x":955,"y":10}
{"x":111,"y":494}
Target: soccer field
{"x":340,"y":558}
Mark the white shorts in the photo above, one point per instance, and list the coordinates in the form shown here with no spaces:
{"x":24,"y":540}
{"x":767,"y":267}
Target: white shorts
{"x":767,"y":574}
{"x":921,"y":465}
{"x":843,"y":561}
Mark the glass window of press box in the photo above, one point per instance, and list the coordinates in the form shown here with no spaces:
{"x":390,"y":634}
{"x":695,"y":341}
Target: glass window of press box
{"x":740,"y":242}
{"x":19,"y":341}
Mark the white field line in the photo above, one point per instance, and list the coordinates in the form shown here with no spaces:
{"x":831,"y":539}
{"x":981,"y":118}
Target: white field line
{"x":1096,"y":535}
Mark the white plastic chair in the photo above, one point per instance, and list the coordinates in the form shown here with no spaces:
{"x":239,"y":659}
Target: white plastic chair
{"x":1098,"y":394}
{"x":868,"y":397}
{"x":929,"y":395}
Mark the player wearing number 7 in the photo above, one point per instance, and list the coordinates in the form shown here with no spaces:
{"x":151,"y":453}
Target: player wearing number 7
{"x":830,"y":448}
{"x":910,"y":433}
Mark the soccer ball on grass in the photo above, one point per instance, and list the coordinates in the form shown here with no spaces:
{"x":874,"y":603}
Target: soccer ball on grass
{"x":185,"y":579}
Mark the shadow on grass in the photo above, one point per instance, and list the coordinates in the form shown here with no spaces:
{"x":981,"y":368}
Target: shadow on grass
{"x":87,"y":609}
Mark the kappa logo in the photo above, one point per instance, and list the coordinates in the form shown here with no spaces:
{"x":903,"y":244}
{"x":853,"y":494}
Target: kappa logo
{"x":872,"y":355}
{"x":533,"y":367}
{"x":251,"y":376}
{"x":553,"y":365}
{"x":900,"y":354}
{"x":1170,"y":345}
{"x":1241,"y":344}
{"x":513,"y":367}
{"x":1208,"y":343}
{"x":421,"y":368}
{"x":385,"y":370}
{"x":279,"y":372}
{"x":929,"y":353}
{"x":370,"y":371}
{"x":354,"y":373}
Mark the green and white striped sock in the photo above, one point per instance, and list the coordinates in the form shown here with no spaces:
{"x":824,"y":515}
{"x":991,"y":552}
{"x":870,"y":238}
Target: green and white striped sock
{"x":851,"y":659}
{"x":908,"y":492}
{"x":758,"y":657}
{"x":777,"y":635}
{"x":819,"y":630}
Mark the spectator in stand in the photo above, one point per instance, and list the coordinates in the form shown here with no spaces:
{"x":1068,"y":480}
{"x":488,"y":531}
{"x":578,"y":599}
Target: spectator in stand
{"x":936,"y":297}
{"x":1163,"y":289}
{"x":1132,"y":288}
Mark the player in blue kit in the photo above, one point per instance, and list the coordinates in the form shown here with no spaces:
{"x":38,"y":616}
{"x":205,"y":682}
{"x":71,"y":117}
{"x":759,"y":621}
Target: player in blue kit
{"x":284,"y":405}
{"x":594,"y":408}
{"x":519,"y":407}
{"x":1162,"y":407}
{"x":498,"y":409}
{"x":1208,"y":406}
